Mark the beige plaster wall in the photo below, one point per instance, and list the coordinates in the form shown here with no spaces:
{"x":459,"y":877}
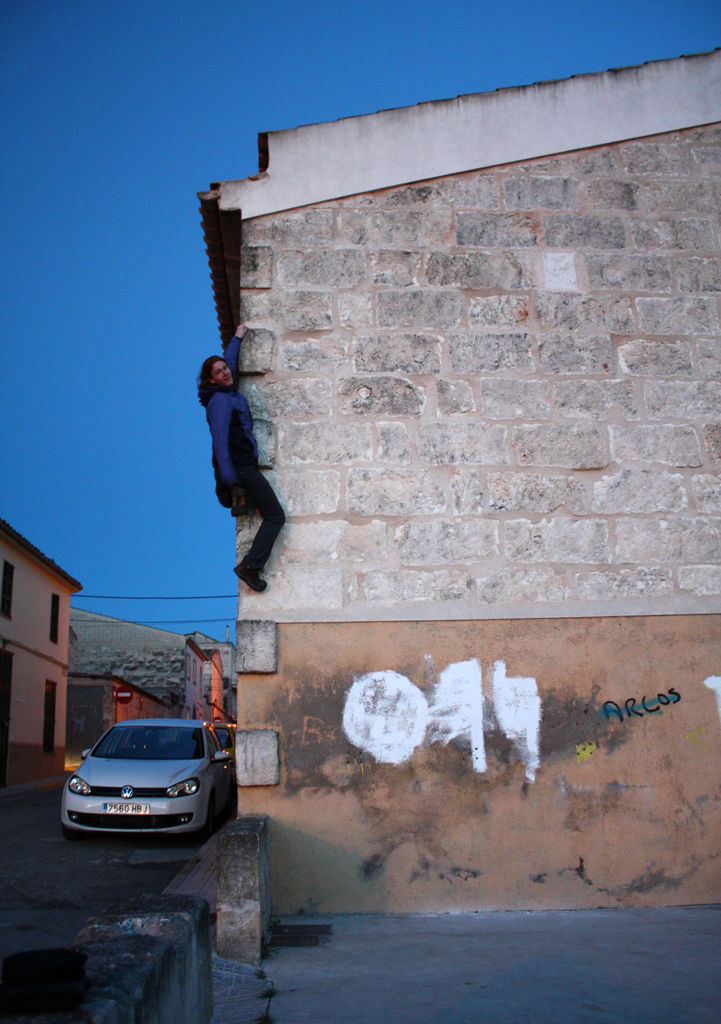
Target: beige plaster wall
{"x":36,"y":659}
{"x":623,"y":808}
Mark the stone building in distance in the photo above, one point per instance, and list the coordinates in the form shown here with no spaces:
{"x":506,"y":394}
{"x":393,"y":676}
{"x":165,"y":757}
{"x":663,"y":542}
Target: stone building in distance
{"x":191,"y":674}
{"x":485,"y":367}
{"x":154,"y":659}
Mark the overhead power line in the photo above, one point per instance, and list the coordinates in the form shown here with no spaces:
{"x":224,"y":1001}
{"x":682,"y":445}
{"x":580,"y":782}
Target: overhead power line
{"x":104,"y":624}
{"x":126,"y":597}
{"x":179,"y":622}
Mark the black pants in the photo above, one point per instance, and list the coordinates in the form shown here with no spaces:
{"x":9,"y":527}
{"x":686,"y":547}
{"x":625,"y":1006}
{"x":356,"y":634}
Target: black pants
{"x":261,"y":496}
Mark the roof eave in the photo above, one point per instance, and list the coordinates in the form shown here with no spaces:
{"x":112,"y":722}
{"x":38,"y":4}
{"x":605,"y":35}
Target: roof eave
{"x":221,"y":231}
{"x":321,"y":162}
{"x":24,"y":545}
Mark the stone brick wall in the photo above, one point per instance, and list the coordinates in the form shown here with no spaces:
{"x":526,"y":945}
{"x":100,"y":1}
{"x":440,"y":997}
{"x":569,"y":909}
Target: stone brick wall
{"x":153,"y":659}
{"x":496,"y":393}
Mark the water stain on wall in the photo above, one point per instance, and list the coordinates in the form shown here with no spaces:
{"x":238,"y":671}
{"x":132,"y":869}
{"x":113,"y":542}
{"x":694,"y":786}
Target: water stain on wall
{"x":404,"y":818}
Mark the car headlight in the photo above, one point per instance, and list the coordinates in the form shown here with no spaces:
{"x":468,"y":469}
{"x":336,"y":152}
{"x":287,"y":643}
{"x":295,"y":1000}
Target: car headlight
{"x":78,"y":785}
{"x":185,"y":788}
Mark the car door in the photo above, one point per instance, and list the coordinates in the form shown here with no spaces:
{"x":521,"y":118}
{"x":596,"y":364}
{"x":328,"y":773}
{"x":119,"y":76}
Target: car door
{"x":219,"y":770}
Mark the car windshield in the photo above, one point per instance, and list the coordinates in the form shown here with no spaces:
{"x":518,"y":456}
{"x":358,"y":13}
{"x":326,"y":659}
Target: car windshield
{"x":152,"y":743}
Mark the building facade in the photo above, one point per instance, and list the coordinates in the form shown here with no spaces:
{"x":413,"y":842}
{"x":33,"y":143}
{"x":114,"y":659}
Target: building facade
{"x":484,"y":362}
{"x":213,"y":686}
{"x":186,"y":673}
{"x":196,"y":703}
{"x":153,"y":659}
{"x":220,"y":677}
{"x":96,"y":701}
{"x":34,"y":636}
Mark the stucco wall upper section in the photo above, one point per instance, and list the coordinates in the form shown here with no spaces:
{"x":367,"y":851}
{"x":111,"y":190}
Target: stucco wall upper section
{"x":496,"y":393}
{"x":318,"y":162}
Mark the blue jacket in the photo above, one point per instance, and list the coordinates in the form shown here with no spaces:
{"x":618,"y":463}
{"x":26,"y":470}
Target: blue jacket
{"x":231,"y":424}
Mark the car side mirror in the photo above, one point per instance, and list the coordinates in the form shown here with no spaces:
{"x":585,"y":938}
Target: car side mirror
{"x":85,"y":753}
{"x":221,"y":755}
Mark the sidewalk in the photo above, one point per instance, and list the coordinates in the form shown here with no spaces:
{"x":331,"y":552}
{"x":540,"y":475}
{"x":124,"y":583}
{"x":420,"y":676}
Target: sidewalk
{"x":241,"y":992}
{"x":12,"y":792}
{"x":651,"y":966}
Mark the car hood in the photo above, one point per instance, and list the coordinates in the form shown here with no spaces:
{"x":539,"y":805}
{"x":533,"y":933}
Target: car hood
{"x":109,"y":771}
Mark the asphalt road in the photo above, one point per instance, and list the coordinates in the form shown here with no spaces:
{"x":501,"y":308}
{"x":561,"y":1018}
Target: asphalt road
{"x":49,"y":886}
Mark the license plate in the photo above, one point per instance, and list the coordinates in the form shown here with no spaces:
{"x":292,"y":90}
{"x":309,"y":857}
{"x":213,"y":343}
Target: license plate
{"x":126,"y":808}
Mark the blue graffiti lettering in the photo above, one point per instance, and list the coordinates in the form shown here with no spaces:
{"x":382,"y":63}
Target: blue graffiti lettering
{"x":647,"y":706}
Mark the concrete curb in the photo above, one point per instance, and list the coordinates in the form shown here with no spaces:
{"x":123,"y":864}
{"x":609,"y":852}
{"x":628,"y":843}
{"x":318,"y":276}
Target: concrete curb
{"x":12,"y":792}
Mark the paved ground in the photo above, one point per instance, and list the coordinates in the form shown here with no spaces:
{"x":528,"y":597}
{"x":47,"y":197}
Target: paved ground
{"x":655,"y":966}
{"x":49,"y":887}
{"x":241,"y":993}
{"x":650,"y":966}
{"x":601,"y":967}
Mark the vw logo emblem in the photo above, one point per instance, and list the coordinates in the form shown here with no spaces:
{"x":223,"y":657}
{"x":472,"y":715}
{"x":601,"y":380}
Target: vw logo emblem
{"x":126,"y":792}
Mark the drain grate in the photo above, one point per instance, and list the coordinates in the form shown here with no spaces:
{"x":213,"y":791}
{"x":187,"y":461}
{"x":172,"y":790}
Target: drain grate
{"x":299,"y":934}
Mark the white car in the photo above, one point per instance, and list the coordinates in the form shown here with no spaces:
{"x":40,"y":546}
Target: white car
{"x":151,"y":775}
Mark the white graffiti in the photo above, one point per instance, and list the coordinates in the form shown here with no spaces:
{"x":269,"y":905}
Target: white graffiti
{"x":518,"y":709}
{"x":456,"y":709}
{"x":388,"y":716}
{"x":714,"y":683}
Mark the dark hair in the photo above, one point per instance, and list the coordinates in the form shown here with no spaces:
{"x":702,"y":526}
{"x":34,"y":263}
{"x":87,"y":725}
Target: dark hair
{"x":204,"y":380}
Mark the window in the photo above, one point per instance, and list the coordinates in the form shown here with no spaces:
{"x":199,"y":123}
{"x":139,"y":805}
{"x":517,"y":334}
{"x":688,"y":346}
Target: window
{"x":49,"y":717}
{"x":54,"y":617}
{"x":7,"y":590}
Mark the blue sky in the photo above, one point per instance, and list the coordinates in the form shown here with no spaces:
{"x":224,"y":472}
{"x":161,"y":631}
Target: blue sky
{"x":114,"y":116}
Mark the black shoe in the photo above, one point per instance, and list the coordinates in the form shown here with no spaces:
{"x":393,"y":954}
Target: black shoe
{"x":251,"y":577}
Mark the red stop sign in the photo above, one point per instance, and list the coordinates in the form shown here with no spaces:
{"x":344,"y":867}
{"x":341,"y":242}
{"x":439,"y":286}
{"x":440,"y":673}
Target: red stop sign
{"x":123,"y":696}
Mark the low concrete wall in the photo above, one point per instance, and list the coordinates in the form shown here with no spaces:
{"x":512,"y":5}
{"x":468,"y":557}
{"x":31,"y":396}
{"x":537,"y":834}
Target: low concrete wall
{"x":243,"y":895}
{"x":152,"y":955}
{"x":149,"y":962}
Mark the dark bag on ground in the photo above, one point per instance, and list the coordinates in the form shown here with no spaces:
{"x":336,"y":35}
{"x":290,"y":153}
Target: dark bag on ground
{"x":43,"y":979}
